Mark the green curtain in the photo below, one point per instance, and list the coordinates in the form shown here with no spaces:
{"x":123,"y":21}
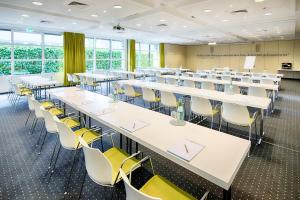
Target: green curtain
{"x":162,"y":54}
{"x":74,"y":54}
{"x":131,"y":55}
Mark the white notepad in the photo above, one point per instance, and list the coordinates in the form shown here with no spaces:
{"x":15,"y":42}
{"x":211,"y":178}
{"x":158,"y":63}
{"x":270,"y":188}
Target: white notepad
{"x":103,"y":111}
{"x":133,"y":126}
{"x":81,"y":102}
{"x":186,"y":149}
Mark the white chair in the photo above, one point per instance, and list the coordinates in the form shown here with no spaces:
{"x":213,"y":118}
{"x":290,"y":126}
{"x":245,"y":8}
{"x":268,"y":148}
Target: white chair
{"x":185,"y":75}
{"x":257,"y":91}
{"x":246,"y":79}
{"x":103,"y":167}
{"x":75,"y":79}
{"x":130,"y":93}
{"x":70,"y":78}
{"x":212,"y":76}
{"x":131,"y":76}
{"x":160,"y":79}
{"x":91,"y":83}
{"x":238,"y":115}
{"x":157,"y":188}
{"x":202,"y":107}
{"x":150,"y":97}
{"x":30,"y":106}
{"x":82,"y":81}
{"x":207,"y":85}
{"x":197,"y":75}
{"x":118,"y":89}
{"x":171,"y":81}
{"x":189,"y":83}
{"x":226,"y":78}
{"x":168,"y":100}
{"x":234,"y":89}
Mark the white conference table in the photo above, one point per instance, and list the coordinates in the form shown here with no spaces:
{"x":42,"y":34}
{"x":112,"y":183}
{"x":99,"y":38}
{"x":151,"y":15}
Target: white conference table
{"x":128,"y":73}
{"x":260,"y":103}
{"x":243,"y":73}
{"x":37,"y":84}
{"x":274,"y":88}
{"x":218,"y":162}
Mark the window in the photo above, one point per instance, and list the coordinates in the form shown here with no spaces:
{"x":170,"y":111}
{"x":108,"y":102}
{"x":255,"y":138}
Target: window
{"x":53,"y":53}
{"x":27,"y":53}
{"x":30,"y":53}
{"x":147,"y":55}
{"x":109,"y":54}
{"x":5,"y":52}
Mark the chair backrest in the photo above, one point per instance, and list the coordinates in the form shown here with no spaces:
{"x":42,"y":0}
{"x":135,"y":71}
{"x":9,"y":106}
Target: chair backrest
{"x":207,"y":85}
{"x":82,"y":79}
{"x":89,"y":80}
{"x":148,"y":95}
{"x":235,"y":114}
{"x":235,"y":89}
{"x":129,"y":90}
{"x":75,"y":78}
{"x":70,"y":78}
{"x":171,"y":81}
{"x":267,"y":81}
{"x":185,"y":75}
{"x":201,"y":106}
{"x":257,"y":91}
{"x":131,"y":76}
{"x":197,"y":75}
{"x":189,"y":83}
{"x":117,"y":86}
{"x":168,"y":99}
{"x":160,"y":79}
{"x":30,"y":102}
{"x":37,"y":109}
{"x":50,"y":123}
{"x":67,"y":137}
{"x":212,"y":76}
{"x":132,"y":193}
{"x":97,"y":165}
{"x":226,"y":78}
{"x":246,"y":79}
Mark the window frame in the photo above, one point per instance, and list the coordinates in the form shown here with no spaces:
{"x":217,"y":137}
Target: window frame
{"x":149,"y":51}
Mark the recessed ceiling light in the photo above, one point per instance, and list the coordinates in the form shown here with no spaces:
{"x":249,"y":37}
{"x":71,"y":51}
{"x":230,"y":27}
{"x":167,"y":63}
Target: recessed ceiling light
{"x":207,"y":10}
{"x":258,"y":1}
{"x":69,"y":10}
{"x":24,"y":15}
{"x":117,"y":6}
{"x":94,"y":15}
{"x":225,"y":20}
{"x":184,"y":26}
{"x":212,"y":43}
{"x":268,"y":14}
{"x":162,"y":20}
{"x":74,"y":23}
{"x":138,"y":24}
{"x":104,"y":11}
{"x":37,"y":3}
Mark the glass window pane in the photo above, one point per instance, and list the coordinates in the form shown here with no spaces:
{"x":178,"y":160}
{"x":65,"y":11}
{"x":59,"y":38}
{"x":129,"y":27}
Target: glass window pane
{"x":54,"y":53}
{"x":117,"y":64}
{"x":25,"y":67}
{"x":89,"y":65}
{"x":53,"y":40}
{"x":154,"y":47}
{"x":28,"y":52}
{"x":53,"y":66}
{"x":117,"y":45}
{"x":5,"y":67}
{"x":89,"y":42}
{"x":5,"y":52}
{"x":5,"y":37}
{"x":144,"y":47}
{"x":117,"y":54}
{"x":27,"y":38}
{"x":102,"y":54}
{"x":102,"y":44}
{"x":102,"y":64}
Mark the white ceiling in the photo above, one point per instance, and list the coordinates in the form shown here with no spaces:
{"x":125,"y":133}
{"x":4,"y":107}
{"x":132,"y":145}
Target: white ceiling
{"x":186,"y":20}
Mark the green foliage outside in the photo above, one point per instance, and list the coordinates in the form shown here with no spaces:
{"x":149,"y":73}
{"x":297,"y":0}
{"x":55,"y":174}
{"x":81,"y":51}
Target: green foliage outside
{"x":103,"y":59}
{"x":28,"y":59}
{"x":142,"y":59}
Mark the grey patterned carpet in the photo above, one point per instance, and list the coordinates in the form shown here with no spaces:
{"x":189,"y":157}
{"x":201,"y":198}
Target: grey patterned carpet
{"x":272,"y":171}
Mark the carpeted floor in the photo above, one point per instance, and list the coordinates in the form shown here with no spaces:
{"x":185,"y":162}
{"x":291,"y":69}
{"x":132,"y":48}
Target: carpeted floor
{"x":272,"y":171}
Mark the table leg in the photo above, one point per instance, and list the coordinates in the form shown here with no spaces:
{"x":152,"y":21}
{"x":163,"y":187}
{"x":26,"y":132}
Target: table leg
{"x":227,"y":194}
{"x":261,"y":132}
{"x":121,"y":141}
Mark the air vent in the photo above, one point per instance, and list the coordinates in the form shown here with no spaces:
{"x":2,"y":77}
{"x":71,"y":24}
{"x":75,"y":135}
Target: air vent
{"x":162,"y":25}
{"x":45,"y":22}
{"x":76,"y":3}
{"x":239,"y":11}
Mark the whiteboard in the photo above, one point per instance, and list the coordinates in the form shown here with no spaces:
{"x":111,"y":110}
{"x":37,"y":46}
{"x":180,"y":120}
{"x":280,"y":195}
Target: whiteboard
{"x":249,"y":62}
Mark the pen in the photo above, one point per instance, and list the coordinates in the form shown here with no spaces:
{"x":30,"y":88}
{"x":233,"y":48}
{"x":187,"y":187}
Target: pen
{"x":186,"y":149}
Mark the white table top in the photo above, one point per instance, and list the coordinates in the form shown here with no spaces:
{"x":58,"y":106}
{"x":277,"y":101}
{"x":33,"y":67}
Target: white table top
{"x":251,"y":101}
{"x":224,"y":82}
{"x":100,"y":77}
{"x":218,"y":162}
{"x":37,"y":81}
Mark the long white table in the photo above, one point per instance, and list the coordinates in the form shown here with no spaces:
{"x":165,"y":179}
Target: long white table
{"x":218,"y":162}
{"x":250,"y":101}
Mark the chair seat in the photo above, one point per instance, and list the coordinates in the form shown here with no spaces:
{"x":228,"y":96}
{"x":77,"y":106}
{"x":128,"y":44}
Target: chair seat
{"x":71,"y":123}
{"x":56,"y":111}
{"x":137,"y":94}
{"x":88,"y":136}
{"x":25,"y":91}
{"x":116,"y":157}
{"x":47,"y":104}
{"x":161,"y":188}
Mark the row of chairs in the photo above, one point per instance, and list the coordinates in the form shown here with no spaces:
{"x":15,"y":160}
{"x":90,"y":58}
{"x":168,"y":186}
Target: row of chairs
{"x":86,"y":82}
{"x":199,"y":107}
{"x":105,"y":167}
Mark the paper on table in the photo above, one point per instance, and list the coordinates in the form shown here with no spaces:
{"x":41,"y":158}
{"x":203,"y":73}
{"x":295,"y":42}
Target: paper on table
{"x":133,"y":126}
{"x":78,"y":102}
{"x":186,"y":149}
{"x":103,"y":111}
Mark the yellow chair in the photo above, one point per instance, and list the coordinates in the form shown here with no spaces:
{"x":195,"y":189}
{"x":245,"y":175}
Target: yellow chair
{"x":130,"y":93}
{"x":157,"y":188}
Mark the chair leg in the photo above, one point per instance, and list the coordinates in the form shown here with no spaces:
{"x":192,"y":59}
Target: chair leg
{"x":249,"y":140}
{"x":56,"y":159}
{"x":43,"y":142}
{"x":70,"y":173}
{"x":37,"y":143}
{"x":220,"y":123}
{"x":226,"y":127}
{"x":212,"y":122}
{"x":52,"y":156}
{"x":27,"y":118}
{"x":81,"y":187}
